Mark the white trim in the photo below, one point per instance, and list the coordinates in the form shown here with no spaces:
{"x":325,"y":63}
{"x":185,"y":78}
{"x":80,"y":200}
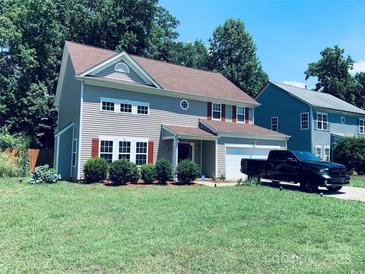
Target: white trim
{"x":343,"y":120}
{"x":220,"y":112}
{"x":184,"y":100}
{"x":73,"y":143}
{"x":57,"y":152}
{"x":271,"y":147}
{"x":201,"y":157}
{"x":244,"y":115}
{"x":322,"y":122}
{"x":315,"y":152}
{"x":361,"y":126}
{"x":124,"y":69}
{"x":324,"y":153}
{"x":80,"y":132}
{"x":277,"y":123}
{"x":301,"y":121}
{"x":192,"y":144}
{"x":65,"y":129}
{"x":118,"y":102}
{"x":252,"y":136}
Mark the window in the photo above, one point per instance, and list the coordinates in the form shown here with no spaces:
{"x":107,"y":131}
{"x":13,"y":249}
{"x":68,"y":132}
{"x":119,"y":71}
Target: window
{"x":184,"y":104}
{"x":240,"y":114}
{"x":274,"y":123}
{"x":322,"y":121}
{"x":326,"y":153}
{"x":319,"y":152}
{"x":304,"y":120}
{"x":121,"y":67}
{"x":362,"y":126}
{"x":343,"y":120}
{"x":141,"y":153}
{"x":126,"y":108}
{"x":74,"y":151}
{"x":142,"y":109}
{"x":124,"y":150}
{"x":107,"y":105}
{"x":106,"y":150}
{"x":216,"y":110}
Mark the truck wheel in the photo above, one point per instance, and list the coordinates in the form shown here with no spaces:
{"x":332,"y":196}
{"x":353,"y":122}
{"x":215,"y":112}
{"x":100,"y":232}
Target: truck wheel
{"x":308,"y":187}
{"x":255,"y":179}
{"x":333,"y":188}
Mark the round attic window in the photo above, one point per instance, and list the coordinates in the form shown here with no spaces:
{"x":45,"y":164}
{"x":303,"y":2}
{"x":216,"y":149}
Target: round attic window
{"x":343,"y":120}
{"x":121,"y":67}
{"x":184,"y":104}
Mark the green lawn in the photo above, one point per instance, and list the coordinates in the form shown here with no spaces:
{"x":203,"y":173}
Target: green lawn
{"x":92,"y":228}
{"x":358,"y":181}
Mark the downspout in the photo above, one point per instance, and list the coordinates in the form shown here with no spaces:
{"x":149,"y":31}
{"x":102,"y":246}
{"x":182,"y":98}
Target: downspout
{"x":80,"y":132}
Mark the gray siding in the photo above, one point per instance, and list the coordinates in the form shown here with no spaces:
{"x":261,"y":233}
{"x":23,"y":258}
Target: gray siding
{"x":64,"y":157}
{"x":275,"y":102}
{"x":223,"y":141}
{"x":208,"y":156}
{"x":69,"y":108}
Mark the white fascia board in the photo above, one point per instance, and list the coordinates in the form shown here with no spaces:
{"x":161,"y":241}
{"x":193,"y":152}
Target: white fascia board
{"x":155,"y":91}
{"x":62,"y":76}
{"x":191,"y":137}
{"x":252,"y":136}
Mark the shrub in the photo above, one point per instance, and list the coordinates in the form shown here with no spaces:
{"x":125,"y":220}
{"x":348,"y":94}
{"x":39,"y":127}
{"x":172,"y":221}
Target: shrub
{"x":44,"y":174}
{"x":187,"y":171}
{"x":148,"y":173}
{"x":164,"y":171}
{"x":8,"y":165}
{"x":95,"y":170}
{"x":350,"y":151}
{"x":123,"y":171}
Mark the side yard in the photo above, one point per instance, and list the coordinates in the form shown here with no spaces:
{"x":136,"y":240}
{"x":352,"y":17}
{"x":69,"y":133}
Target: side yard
{"x":69,"y":227}
{"x":358,"y":181}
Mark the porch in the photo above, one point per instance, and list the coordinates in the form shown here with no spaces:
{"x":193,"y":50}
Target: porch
{"x":190,"y":143}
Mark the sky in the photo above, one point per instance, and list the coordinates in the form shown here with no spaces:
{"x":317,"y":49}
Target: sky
{"x":288,"y":34}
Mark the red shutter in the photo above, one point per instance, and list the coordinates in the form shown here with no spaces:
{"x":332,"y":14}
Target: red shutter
{"x":150,"y":152}
{"x":223,"y":112}
{"x":209,"y":111}
{"x":234,"y":114}
{"x":247,"y":115}
{"x":95,"y":148}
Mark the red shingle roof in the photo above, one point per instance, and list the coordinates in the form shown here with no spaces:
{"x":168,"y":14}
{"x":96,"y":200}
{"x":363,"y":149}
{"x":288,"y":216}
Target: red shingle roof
{"x":244,"y":129}
{"x":168,"y":76}
{"x":189,"y":131}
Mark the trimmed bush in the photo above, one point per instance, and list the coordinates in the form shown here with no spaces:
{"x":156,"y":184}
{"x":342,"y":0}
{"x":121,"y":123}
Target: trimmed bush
{"x":8,"y":165}
{"x":123,"y":171}
{"x":164,"y":171}
{"x":95,"y":170}
{"x":350,"y":151}
{"x":187,"y":171}
{"x":44,"y":174}
{"x":148,"y":173}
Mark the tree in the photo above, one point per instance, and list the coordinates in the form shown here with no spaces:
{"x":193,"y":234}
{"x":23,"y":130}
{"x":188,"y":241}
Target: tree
{"x":233,"y":53}
{"x":332,"y":72}
{"x":360,"y":98}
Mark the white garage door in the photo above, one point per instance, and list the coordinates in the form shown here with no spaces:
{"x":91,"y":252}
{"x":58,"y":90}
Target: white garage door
{"x":234,"y":156}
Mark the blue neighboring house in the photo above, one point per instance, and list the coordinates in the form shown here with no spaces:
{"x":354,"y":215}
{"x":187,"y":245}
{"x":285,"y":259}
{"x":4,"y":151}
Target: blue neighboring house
{"x":314,"y":120}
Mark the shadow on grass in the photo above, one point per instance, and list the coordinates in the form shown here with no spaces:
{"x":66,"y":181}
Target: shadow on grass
{"x":296,"y":187}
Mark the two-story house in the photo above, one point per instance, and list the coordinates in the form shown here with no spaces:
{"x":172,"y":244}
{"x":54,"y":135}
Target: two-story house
{"x":120,"y":106}
{"x":314,"y":120}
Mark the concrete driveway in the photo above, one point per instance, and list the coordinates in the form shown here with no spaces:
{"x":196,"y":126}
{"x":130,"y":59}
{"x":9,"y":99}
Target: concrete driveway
{"x":346,"y":193}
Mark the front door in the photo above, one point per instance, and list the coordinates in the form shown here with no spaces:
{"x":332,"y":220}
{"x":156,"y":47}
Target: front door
{"x":185,"y":152}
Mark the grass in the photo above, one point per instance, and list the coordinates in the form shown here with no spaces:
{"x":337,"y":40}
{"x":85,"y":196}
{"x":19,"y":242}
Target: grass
{"x":358,"y":181}
{"x":92,"y":228}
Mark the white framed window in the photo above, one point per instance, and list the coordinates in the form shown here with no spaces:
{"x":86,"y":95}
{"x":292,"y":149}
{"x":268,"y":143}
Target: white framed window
{"x":319,"y":151}
{"x":124,"y":150}
{"x":240,"y":114}
{"x":124,"y":106}
{"x":107,"y":105}
{"x":141,"y":153}
{"x":74,"y":152}
{"x":184,"y":104}
{"x":121,"y":67}
{"x":343,"y":120}
{"x":134,"y":149}
{"x":326,"y":153}
{"x":362,"y":126}
{"x":106,"y":150}
{"x":216,"y":111}
{"x":322,"y":121}
{"x":274,"y":123}
{"x":304,"y":120}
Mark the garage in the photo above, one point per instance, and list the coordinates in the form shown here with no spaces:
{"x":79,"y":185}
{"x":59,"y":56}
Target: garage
{"x":235,"y":154}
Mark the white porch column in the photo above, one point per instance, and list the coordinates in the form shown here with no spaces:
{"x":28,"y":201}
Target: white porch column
{"x":175,"y":147}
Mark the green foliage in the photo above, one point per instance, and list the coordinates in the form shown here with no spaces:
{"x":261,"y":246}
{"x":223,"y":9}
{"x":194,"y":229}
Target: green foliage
{"x":233,"y":53}
{"x":148,"y":173}
{"x":95,"y":170}
{"x":360,"y":96}
{"x":123,"y":171}
{"x":164,"y":170}
{"x":350,"y":151}
{"x":44,"y":174}
{"x":187,"y":171}
{"x":248,"y":182}
{"x":222,"y":177}
{"x":8,"y":165}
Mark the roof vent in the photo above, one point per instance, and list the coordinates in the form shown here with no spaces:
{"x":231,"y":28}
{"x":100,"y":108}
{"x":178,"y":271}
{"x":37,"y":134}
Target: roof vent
{"x":121,"y":67}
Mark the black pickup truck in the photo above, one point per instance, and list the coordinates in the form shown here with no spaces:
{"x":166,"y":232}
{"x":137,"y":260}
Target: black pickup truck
{"x":298,"y":167}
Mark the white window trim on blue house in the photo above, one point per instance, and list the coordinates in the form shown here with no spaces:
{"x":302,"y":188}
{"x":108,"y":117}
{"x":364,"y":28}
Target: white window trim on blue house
{"x":321,"y":121}
{"x":275,"y":124}
{"x":302,"y":120}
{"x":361,"y":126}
